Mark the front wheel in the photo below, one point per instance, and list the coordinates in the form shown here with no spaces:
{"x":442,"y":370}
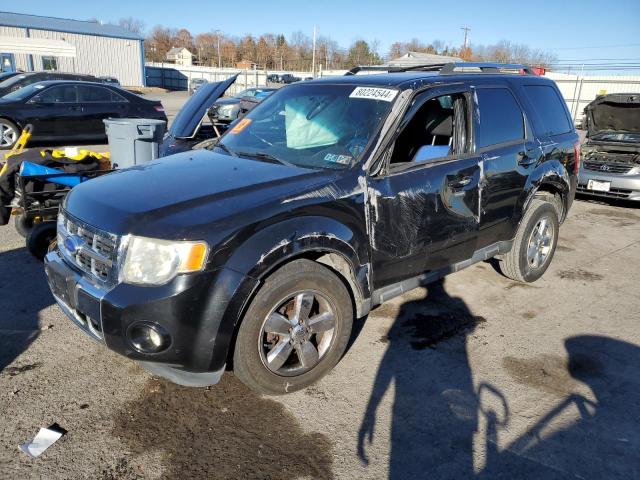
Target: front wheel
{"x":534,"y":245}
{"x":295,"y":330}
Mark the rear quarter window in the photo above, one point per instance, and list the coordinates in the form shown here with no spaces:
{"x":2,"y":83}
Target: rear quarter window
{"x":500,"y":119}
{"x":550,"y":113}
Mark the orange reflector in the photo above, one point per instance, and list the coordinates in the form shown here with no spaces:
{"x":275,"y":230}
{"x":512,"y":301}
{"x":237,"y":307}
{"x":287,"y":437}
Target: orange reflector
{"x":196,"y":258}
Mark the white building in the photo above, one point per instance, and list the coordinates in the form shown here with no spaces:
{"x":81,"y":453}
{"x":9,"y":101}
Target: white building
{"x":180,"y":56}
{"x":33,"y":43}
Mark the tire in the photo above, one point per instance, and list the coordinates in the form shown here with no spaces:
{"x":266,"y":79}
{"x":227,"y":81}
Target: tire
{"x":9,"y":134}
{"x":23,"y":225}
{"x":280,"y":298}
{"x":517,"y":264}
{"x":40,"y":239}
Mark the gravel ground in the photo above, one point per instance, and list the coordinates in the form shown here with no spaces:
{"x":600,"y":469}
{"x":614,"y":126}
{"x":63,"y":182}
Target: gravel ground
{"x":476,"y":376}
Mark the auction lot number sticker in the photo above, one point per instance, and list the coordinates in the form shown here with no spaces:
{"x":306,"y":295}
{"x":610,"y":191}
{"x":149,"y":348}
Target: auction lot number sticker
{"x":374,"y":93}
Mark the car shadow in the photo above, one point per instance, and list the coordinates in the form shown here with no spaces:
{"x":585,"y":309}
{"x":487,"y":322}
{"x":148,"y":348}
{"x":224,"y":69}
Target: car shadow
{"x":434,"y":413}
{"x":24,"y":293}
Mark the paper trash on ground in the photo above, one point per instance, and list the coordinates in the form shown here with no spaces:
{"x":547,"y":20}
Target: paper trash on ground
{"x":43,"y":440}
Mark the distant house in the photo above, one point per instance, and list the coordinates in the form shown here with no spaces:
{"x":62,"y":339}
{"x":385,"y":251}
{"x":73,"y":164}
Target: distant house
{"x":245,"y":64}
{"x":180,"y":56}
{"x":411,"y":59}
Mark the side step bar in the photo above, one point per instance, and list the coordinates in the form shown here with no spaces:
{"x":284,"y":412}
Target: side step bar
{"x":390,"y":291}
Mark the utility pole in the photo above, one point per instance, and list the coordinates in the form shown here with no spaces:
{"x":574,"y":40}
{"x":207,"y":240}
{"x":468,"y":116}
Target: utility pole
{"x":466,"y":36}
{"x":313,"y":56}
{"x":218,"y":32}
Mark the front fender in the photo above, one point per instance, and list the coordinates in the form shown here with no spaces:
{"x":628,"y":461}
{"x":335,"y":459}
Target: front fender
{"x":274,"y":245}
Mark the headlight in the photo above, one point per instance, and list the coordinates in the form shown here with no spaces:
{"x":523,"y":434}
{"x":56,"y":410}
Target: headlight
{"x":149,"y":261}
{"x":225,"y":110}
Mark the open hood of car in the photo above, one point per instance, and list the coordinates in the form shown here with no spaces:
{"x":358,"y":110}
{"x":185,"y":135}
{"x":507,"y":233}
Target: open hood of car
{"x":618,"y":112}
{"x":192,"y":112}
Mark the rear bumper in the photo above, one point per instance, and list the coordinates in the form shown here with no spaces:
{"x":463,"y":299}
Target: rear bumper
{"x":623,"y":186}
{"x":190,"y":308}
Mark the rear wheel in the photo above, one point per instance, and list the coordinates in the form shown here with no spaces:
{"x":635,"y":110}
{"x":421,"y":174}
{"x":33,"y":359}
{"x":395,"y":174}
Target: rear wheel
{"x":534,"y":245}
{"x":9,"y":134}
{"x":295,"y":330}
{"x":40,"y":239}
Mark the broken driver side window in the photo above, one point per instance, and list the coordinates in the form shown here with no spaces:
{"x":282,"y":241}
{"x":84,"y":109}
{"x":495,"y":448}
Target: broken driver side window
{"x":437,"y":130}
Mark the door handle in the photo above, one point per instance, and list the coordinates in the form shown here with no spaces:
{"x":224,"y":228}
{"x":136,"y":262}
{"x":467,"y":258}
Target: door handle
{"x":75,"y":109}
{"x":524,"y":158}
{"x":459,"y":182}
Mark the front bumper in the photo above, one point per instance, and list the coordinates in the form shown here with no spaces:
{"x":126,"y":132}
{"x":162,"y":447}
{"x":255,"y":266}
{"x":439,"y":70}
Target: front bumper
{"x":624,"y":186}
{"x":190,"y":308}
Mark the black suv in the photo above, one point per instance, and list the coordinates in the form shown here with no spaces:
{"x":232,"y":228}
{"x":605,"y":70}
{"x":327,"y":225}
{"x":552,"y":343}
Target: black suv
{"x":329,"y":198}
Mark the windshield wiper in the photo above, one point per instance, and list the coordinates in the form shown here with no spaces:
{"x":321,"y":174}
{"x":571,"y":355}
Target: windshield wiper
{"x":226,"y":149}
{"x":265,"y":156}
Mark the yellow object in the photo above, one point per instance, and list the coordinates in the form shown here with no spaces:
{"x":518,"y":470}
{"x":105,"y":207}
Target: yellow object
{"x":18,"y":147}
{"x":82,"y":154}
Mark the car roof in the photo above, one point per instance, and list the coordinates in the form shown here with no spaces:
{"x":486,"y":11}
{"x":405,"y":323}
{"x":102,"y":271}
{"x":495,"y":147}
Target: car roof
{"x":69,"y":82}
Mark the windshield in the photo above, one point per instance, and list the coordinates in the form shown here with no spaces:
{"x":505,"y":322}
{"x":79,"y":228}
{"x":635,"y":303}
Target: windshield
{"x":616,"y":137}
{"x":24,"y":92}
{"x":316,"y":126}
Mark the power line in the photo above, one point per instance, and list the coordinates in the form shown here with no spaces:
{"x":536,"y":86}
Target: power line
{"x":596,"y":46}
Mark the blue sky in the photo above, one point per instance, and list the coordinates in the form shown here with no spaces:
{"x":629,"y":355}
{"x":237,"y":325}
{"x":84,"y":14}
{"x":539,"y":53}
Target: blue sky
{"x":610,"y":28}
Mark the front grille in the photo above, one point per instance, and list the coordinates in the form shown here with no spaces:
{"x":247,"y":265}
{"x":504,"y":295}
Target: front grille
{"x":605,"y":168}
{"x":612,"y":193}
{"x":98,"y":254}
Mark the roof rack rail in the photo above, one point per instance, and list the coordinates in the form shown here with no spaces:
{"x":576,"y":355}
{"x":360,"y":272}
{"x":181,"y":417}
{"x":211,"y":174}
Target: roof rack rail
{"x":448,"y":68}
{"x":390,"y":69}
{"x":484,"y":67}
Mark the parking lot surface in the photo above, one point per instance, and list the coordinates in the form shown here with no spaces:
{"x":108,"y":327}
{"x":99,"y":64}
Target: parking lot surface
{"x":474,"y":376}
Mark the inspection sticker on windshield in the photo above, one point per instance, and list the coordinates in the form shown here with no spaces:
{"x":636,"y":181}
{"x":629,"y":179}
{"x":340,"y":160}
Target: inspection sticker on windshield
{"x":385,"y":94}
{"x":341,"y":159}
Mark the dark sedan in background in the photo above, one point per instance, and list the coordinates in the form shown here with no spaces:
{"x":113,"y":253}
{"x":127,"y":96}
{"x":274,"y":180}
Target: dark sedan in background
{"x":64,"y":110}
{"x":16,"y":81}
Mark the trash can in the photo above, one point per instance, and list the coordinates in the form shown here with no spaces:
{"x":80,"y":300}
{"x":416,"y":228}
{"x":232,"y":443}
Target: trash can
{"x":133,"y":141}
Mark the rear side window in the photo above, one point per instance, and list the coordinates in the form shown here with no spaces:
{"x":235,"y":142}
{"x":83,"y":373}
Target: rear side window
{"x":551,"y":117}
{"x":94,"y":94}
{"x":500,"y":119}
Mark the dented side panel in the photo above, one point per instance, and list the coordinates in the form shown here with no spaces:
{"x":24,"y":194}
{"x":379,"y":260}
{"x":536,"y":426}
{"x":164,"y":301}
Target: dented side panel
{"x":423,"y":219}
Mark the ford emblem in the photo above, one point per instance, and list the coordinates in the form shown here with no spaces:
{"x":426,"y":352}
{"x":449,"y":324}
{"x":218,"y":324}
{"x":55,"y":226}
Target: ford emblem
{"x":73,"y":243}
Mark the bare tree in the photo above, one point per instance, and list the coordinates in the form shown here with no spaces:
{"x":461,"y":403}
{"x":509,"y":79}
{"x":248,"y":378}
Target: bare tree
{"x":133,"y":25}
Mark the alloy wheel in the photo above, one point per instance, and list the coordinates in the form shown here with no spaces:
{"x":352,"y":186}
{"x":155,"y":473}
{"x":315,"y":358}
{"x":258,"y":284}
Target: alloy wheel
{"x":540,"y":242}
{"x":297,"y":333}
{"x":8,"y":135}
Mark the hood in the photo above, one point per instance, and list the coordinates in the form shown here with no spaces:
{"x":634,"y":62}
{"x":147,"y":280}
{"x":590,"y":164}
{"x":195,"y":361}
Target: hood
{"x":619,"y":112}
{"x":189,"y":116}
{"x":170,"y":198}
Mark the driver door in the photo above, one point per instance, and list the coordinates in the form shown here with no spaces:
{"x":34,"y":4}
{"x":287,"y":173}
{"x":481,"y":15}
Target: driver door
{"x":424,"y":209}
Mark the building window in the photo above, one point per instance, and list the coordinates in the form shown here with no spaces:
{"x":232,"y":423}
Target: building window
{"x":49,"y":63}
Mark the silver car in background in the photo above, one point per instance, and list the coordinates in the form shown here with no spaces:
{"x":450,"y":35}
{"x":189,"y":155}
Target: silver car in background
{"x":611,"y":154}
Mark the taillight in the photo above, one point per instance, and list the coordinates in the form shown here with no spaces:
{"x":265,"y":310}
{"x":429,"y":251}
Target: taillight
{"x":576,"y":157}
{"x":159,"y":108}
